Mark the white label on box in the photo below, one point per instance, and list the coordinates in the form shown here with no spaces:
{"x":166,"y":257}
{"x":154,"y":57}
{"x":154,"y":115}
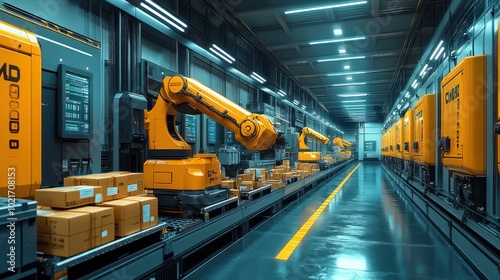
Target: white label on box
{"x":43,"y":212}
{"x":146,"y":215}
{"x":152,"y":218}
{"x":98,"y":198}
{"x":86,"y":192}
{"x":104,"y":233}
{"x":112,"y":191}
{"x":132,"y":188}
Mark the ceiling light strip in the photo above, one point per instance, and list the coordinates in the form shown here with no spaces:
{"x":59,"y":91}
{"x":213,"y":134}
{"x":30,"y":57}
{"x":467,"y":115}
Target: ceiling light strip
{"x":221,"y":55}
{"x":324,"y":7}
{"x":161,"y":16}
{"x":340,"y":58}
{"x":436,"y":50}
{"x":337,"y":40}
{"x":224,"y":52}
{"x":167,"y":13}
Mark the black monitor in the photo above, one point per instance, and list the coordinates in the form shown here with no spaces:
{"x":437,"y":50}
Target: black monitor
{"x":75,"y":91}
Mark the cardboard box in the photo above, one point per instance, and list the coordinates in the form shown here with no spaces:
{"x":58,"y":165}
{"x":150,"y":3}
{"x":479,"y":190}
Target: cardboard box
{"x":244,"y":177}
{"x":287,"y":175}
{"x":304,"y":174}
{"x":72,"y":181}
{"x":102,"y":221}
{"x":135,"y":184}
{"x":276,"y":184}
{"x":69,"y":197}
{"x":231,"y":184}
{"x":259,"y":184}
{"x":63,"y":246}
{"x":246,"y":186}
{"x":260,"y":178}
{"x":234,"y":192}
{"x":110,"y":190}
{"x":127,"y":216}
{"x":255,"y":171}
{"x":286,"y":163}
{"x":149,"y":210}
{"x":63,"y":233}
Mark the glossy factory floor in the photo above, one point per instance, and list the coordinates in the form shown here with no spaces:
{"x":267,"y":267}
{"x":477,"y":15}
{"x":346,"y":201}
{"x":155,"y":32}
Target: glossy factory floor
{"x":366,"y":232}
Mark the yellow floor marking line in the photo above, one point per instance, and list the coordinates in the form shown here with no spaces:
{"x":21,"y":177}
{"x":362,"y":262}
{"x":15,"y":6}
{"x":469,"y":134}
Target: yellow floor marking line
{"x":287,"y":251}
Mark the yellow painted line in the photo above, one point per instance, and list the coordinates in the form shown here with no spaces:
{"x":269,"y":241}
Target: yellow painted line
{"x":287,"y":251}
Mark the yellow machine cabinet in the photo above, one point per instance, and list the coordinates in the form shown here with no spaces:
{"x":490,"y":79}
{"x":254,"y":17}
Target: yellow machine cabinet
{"x":391,"y":141}
{"x":192,"y":174}
{"x":310,"y":156}
{"x":424,"y":144}
{"x":398,"y":138}
{"x":21,"y":112}
{"x":383,"y":143}
{"x":463,"y":117}
{"x":408,"y":131}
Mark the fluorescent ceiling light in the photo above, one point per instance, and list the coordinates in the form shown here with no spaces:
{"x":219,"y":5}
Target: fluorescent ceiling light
{"x":436,"y":50}
{"x":223,"y":54}
{"x":348,"y":84}
{"x":407,"y":94}
{"x":341,"y":58}
{"x":399,"y":106}
{"x":342,"y":51}
{"x":317,"y":8}
{"x":352,"y":101}
{"x":348,"y":78}
{"x":347,"y":67}
{"x":296,"y":102}
{"x":439,"y":53}
{"x":179,"y":25}
{"x":414,"y":83}
{"x":352,"y":94}
{"x":337,"y":31}
{"x":303,"y":107}
{"x":258,"y":77}
{"x":337,"y":40}
{"x":281,"y":93}
{"x":422,"y":73}
{"x":347,"y":73}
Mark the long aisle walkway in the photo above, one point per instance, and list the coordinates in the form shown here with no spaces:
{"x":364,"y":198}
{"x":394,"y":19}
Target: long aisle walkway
{"x":365,"y":232}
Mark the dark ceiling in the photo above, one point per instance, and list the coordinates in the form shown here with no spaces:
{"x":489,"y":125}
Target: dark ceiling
{"x":388,"y":37}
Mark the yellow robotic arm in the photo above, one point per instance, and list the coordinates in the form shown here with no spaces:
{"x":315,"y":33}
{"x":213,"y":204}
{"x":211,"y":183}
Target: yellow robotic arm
{"x":181,"y":181}
{"x":186,"y":95}
{"x":344,"y":146}
{"x":308,"y":132}
{"x":305,"y":153}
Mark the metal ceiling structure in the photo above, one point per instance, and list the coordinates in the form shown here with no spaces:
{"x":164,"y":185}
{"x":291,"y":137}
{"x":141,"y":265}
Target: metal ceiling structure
{"x":361,"y":69}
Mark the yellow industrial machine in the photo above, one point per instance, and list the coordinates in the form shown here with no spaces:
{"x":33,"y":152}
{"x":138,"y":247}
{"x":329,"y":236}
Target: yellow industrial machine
{"x":398,"y":138}
{"x":180,"y":180}
{"x":408,"y":127}
{"x":344,"y":145}
{"x":424,"y":139}
{"x":305,"y":153}
{"x":424,"y":144}
{"x":463,"y":131}
{"x":21,"y":118}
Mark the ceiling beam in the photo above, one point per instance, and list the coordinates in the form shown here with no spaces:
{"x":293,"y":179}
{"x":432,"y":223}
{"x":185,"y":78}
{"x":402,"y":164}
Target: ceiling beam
{"x":282,"y":23}
{"x":375,"y":8}
{"x":330,"y":15}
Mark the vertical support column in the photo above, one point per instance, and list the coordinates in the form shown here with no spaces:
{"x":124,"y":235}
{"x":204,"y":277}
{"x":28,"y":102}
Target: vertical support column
{"x":491,"y":166}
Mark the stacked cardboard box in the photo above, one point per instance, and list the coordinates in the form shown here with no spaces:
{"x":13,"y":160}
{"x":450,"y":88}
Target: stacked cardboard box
{"x":127,"y":216}
{"x":149,"y":210}
{"x":63,"y":233}
{"x":69,"y":197}
{"x":231,"y":184}
{"x":102,"y":223}
{"x":116,"y":184}
{"x":276,"y":184}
